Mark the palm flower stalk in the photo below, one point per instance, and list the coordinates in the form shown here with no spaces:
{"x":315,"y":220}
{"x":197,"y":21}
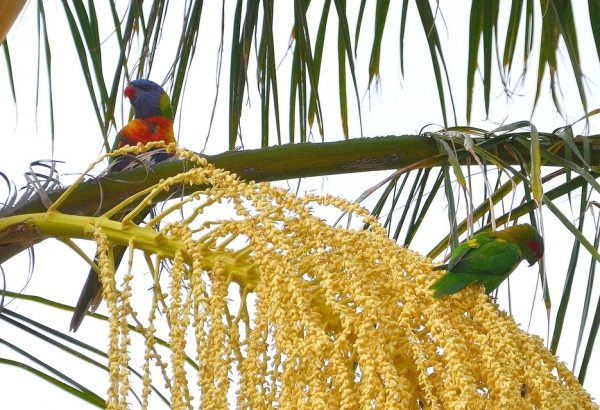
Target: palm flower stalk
{"x":327,"y":317}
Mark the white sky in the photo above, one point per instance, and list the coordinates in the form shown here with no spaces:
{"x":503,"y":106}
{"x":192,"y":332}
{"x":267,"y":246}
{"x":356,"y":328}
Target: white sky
{"x":403,"y":106}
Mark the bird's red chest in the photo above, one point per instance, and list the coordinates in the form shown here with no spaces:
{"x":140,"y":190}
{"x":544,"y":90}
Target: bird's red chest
{"x":145,"y":130}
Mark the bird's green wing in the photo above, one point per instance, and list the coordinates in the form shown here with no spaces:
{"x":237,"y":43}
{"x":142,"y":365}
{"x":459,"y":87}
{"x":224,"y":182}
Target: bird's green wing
{"x":451,"y":283}
{"x":497,"y":257}
{"x":467,"y":248}
{"x":483,"y":260}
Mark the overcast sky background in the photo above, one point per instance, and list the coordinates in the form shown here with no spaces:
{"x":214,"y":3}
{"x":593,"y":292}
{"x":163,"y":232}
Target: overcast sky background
{"x":404,"y":105}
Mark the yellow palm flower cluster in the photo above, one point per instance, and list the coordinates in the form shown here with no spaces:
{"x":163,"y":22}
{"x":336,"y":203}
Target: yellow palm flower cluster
{"x":327,"y":317}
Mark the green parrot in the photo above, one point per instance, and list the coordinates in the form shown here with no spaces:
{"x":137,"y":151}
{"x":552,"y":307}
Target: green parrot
{"x":488,"y":258}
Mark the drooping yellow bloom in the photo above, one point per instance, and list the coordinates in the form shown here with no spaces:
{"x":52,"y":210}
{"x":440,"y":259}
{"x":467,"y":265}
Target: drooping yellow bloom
{"x":327,"y":317}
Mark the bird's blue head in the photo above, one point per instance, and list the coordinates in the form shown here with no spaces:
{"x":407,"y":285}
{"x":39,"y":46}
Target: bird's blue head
{"x":148,"y":99}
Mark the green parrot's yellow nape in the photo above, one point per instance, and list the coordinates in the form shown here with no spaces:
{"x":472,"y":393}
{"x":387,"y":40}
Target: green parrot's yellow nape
{"x":488,"y":258}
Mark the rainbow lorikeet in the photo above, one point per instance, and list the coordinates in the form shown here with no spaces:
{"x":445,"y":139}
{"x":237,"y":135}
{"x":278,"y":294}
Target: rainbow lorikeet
{"x":153,"y":122}
{"x":488,"y":258}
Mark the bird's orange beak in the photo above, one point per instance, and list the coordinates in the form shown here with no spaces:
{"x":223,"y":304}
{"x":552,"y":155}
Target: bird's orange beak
{"x":129,"y":91}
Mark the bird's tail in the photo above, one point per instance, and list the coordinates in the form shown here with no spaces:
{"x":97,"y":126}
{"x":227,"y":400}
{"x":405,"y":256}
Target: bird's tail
{"x":91,"y":294}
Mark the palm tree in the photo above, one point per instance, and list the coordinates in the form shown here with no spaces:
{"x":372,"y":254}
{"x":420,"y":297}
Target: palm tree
{"x":500,"y":173}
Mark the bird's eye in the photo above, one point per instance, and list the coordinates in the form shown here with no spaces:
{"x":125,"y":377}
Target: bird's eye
{"x":146,"y":87}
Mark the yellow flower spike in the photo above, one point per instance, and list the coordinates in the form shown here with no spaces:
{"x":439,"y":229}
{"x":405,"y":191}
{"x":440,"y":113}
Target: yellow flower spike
{"x":217,"y":366}
{"x":342,"y":318}
{"x":149,"y":354}
{"x":201,"y":318}
{"x":123,"y":310}
{"x":179,"y":396}
{"x":107,"y":271}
